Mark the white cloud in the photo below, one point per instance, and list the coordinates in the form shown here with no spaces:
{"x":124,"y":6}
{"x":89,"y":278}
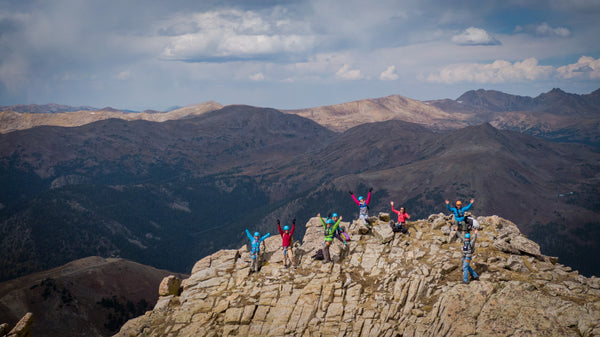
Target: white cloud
{"x":389,"y":74}
{"x":586,"y":68}
{"x":544,"y":29}
{"x":499,"y":71}
{"x":475,"y":36}
{"x":345,"y":73}
{"x":234,"y":34}
{"x":257,"y":77}
{"x":124,"y":75}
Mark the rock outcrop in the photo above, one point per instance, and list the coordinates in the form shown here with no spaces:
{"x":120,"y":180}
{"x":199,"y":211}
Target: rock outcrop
{"x":409,"y":286}
{"x":21,"y":329}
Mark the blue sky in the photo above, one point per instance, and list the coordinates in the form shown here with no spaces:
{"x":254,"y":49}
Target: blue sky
{"x":291,"y":54}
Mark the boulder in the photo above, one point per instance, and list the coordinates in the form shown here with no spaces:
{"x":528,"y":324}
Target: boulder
{"x":21,"y":329}
{"x":169,"y":286}
{"x":4,"y":328}
{"x":384,"y":217}
{"x":505,"y":247}
{"x":524,"y":245}
{"x":383,"y":233}
{"x":515,"y":263}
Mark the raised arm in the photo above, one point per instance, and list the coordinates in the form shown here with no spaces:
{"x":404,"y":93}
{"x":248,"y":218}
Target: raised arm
{"x":354,"y":198}
{"x":369,"y":196}
{"x":249,"y":235}
{"x":293,"y":227}
{"x":322,"y":221}
{"x":336,"y":225}
{"x":265,"y":236}
{"x":393,"y":209}
{"x":279,"y":227}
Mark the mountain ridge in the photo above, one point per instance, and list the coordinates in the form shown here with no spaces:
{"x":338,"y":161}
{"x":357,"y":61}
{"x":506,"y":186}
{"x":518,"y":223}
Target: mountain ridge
{"x":81,"y":292}
{"x":554,"y":115}
{"x":138,"y":185}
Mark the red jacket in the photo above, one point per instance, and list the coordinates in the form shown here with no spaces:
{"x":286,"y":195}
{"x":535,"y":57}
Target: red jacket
{"x":286,"y":238}
{"x":401,"y":216}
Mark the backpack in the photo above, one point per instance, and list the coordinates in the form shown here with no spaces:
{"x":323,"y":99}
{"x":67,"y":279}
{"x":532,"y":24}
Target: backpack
{"x":400,"y":229}
{"x":319,"y":255}
{"x":346,"y":236}
{"x":468,"y":248}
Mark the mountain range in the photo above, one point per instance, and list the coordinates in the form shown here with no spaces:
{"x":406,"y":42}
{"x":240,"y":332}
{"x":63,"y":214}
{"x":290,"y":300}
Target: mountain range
{"x":555,"y":115}
{"x":167,"y":192}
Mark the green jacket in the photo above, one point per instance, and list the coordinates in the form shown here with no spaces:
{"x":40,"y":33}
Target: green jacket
{"x":329,"y":232}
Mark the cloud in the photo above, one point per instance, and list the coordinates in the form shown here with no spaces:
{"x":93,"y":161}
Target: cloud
{"x":124,"y":75}
{"x":257,"y":77}
{"x":233,"y":34}
{"x":544,"y":29}
{"x":345,"y":73}
{"x":474,"y":37}
{"x":499,"y":71}
{"x":585,"y":68}
{"x":389,"y":74}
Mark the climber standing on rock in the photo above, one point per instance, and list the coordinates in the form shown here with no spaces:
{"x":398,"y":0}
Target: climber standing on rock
{"x":363,"y":206}
{"x":329,"y":228}
{"x":255,"y":249}
{"x":467,"y":251}
{"x":286,"y":242}
{"x":402,"y":217}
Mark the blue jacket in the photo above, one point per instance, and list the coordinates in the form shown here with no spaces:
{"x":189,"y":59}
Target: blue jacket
{"x":459,"y":214}
{"x":256,"y":243}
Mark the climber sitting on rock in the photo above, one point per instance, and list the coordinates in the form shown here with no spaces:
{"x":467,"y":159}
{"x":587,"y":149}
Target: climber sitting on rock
{"x":468,"y":249}
{"x":255,"y":249}
{"x":459,"y":214}
{"x":329,"y":228}
{"x":402,"y":217}
{"x":363,"y":207}
{"x":286,"y":242}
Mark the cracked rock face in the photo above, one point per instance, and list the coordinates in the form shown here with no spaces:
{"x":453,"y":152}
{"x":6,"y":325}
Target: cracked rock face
{"x":410,"y":285}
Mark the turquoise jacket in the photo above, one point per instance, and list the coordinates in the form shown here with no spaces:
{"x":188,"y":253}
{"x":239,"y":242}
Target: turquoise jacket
{"x":459,"y":213}
{"x":256,"y":243}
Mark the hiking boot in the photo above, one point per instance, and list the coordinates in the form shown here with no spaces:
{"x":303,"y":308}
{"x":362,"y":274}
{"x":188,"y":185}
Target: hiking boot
{"x":466,"y":282}
{"x":476,"y":278}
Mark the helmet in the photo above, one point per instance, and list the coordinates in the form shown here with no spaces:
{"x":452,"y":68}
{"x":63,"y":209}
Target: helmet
{"x":361,"y":198}
{"x":286,"y":228}
{"x":330,"y":221}
{"x":256,"y":234}
{"x":459,"y":203}
{"x":334,"y":215}
{"x":467,"y":236}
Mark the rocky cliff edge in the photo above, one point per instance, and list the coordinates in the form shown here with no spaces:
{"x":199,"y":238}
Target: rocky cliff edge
{"x":383,"y":284}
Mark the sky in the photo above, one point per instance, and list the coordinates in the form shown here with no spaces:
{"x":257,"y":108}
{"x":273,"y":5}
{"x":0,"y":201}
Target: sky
{"x":291,"y":54}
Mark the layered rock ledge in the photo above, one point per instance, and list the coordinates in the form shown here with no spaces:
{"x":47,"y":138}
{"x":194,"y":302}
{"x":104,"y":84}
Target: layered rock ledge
{"x":382,"y":285}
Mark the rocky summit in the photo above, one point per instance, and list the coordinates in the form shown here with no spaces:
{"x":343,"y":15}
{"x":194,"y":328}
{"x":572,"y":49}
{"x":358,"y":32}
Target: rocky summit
{"x":381,"y":284}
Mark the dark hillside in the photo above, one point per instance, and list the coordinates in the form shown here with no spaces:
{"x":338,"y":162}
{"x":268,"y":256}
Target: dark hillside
{"x":150,"y":191}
